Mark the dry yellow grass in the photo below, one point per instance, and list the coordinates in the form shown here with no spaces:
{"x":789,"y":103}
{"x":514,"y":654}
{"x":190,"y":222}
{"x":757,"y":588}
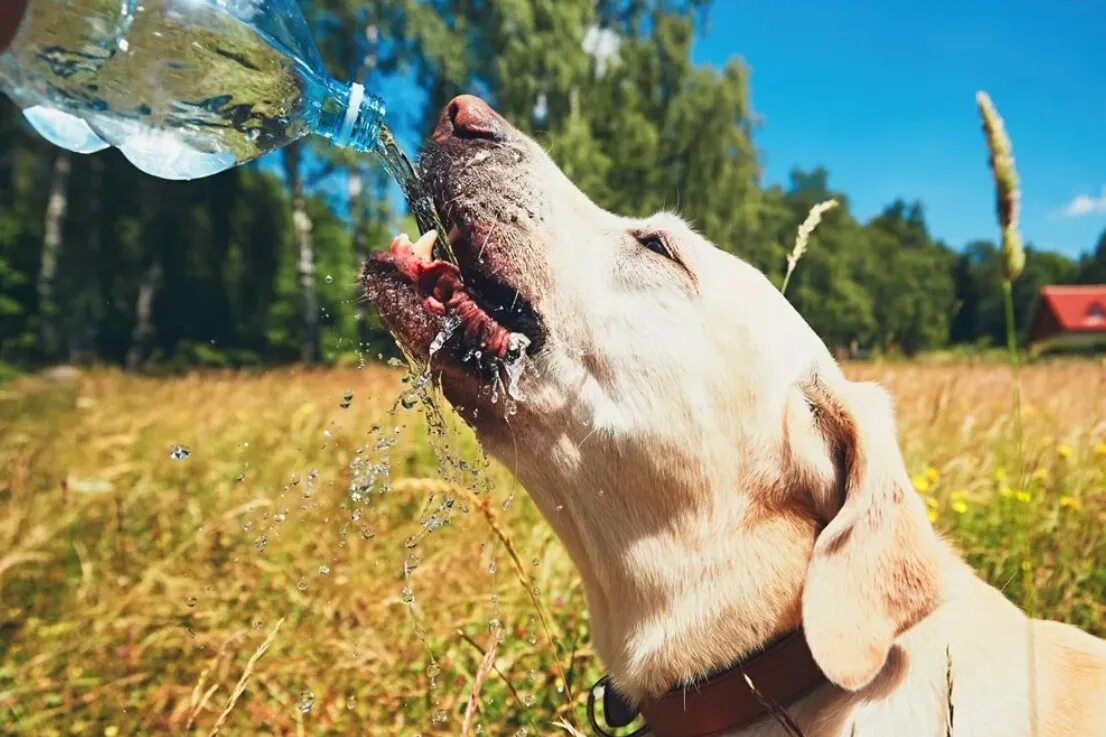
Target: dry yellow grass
{"x":137,"y":591}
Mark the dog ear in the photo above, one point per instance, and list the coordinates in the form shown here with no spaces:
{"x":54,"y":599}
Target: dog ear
{"x":874,"y":572}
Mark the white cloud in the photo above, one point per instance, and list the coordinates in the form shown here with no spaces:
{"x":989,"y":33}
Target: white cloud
{"x":602,"y":44}
{"x":1085,"y":204}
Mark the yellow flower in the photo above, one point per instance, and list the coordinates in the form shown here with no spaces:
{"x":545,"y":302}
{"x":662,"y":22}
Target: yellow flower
{"x":1100,"y":450}
{"x":931,"y":502}
{"x":932,"y":475}
{"x":1041,"y":474}
{"x":931,"y":514}
{"x":1064,"y":450}
{"x":920,"y":483}
{"x":111,"y":731}
{"x":1023,"y":496}
{"x":1006,"y":492}
{"x":959,"y":506}
{"x":1000,"y":474}
{"x":1070,"y":502}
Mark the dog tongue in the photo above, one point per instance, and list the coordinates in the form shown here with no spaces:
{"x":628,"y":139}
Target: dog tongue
{"x":444,"y":291}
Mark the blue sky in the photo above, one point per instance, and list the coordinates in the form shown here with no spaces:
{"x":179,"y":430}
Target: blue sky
{"x":882,"y":95}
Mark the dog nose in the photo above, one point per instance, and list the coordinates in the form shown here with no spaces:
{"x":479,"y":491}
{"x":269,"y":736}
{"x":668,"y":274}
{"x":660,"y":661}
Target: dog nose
{"x":467,"y":116}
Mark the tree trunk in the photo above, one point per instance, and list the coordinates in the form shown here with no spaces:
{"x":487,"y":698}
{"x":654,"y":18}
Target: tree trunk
{"x":354,"y":188}
{"x":144,"y":316}
{"x":53,"y":227}
{"x":301,"y":225}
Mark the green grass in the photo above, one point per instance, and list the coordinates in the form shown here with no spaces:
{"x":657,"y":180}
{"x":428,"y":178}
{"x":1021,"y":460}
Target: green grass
{"x":134,"y":588}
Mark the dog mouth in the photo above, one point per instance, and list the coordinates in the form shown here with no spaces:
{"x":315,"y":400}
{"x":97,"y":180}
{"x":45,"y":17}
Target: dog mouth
{"x":465,"y":313}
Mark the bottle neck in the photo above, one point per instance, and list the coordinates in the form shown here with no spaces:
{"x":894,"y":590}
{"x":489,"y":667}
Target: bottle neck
{"x":350,"y":116}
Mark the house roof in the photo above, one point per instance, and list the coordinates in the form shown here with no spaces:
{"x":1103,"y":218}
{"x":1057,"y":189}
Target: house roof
{"x":1080,"y":308}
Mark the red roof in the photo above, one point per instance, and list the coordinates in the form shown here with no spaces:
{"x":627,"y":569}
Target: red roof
{"x":1071,"y":308}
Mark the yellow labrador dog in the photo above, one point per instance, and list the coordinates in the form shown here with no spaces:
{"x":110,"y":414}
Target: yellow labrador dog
{"x":733,"y":503}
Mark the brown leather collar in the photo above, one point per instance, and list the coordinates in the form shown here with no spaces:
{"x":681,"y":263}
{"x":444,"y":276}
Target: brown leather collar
{"x":781,"y":674}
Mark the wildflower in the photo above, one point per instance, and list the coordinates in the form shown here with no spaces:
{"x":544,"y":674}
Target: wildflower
{"x":1100,"y":450}
{"x":1064,"y":450}
{"x":932,"y":475}
{"x":931,"y":502}
{"x":1000,"y":474}
{"x":959,"y":506}
{"x":1041,"y":474}
{"x":1070,"y":502}
{"x":931,"y":514}
{"x":1023,"y":496}
{"x":920,"y":483}
{"x":1006,"y":492}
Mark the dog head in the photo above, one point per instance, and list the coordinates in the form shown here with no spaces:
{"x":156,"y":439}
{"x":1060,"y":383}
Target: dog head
{"x":713,"y":475}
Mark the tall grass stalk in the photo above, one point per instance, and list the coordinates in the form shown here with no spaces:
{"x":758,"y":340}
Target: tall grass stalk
{"x":1007,"y":207}
{"x":802,"y":236}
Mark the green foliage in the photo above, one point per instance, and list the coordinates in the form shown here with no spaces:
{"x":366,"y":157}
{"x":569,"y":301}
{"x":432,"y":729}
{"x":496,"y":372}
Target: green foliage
{"x":639,"y":130}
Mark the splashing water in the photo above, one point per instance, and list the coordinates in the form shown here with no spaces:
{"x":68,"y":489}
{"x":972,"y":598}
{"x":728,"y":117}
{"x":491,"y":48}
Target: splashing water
{"x":516,"y":365}
{"x":449,"y":326}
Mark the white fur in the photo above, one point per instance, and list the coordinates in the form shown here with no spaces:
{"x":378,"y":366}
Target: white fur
{"x":679,"y":436}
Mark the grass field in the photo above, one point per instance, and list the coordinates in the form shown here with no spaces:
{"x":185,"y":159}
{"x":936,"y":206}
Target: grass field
{"x":138,"y":589}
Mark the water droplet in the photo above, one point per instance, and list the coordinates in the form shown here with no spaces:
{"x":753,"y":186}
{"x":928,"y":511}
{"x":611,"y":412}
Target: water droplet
{"x":351,"y":703}
{"x":367,"y":533}
{"x":307,"y":702}
{"x":439,"y":718}
{"x":522,"y":732}
{"x":260,"y":543}
{"x":528,"y":699}
{"x":535,"y":591}
{"x":179,"y":453}
{"x":407,"y":594}
{"x":449,"y":326}
{"x":190,"y":601}
{"x":258,"y":624}
{"x":492,"y":568}
{"x":532,"y":639}
{"x":302,"y":585}
{"x":433,"y":670}
{"x":394,"y":362}
{"x":324,"y":570}
{"x":328,"y":279}
{"x":347,"y":399}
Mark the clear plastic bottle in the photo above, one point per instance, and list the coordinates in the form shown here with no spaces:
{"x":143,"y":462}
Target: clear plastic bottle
{"x":184,"y":88}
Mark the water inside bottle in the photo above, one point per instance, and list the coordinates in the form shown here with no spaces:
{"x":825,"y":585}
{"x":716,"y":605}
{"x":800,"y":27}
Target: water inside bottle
{"x":182,"y":93}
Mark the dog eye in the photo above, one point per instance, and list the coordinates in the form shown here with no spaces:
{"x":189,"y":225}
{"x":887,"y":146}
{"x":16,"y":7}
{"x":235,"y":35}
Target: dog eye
{"x":657,"y":244}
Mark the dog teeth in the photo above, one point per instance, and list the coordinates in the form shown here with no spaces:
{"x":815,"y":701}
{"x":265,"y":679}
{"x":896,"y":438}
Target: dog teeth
{"x":424,"y":246}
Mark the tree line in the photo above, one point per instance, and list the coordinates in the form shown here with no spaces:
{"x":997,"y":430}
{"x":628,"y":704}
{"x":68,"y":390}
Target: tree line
{"x":99,"y":262}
